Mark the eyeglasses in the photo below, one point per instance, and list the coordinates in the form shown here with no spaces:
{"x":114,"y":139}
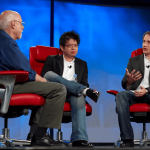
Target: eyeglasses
{"x":22,"y":23}
{"x":72,"y":45}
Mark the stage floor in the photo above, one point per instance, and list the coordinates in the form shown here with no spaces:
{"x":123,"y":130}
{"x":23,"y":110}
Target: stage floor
{"x":97,"y":146}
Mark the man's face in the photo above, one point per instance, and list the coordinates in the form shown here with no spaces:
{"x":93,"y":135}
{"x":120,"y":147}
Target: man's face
{"x":146,"y":44}
{"x":18,"y":28}
{"x":70,"y":49}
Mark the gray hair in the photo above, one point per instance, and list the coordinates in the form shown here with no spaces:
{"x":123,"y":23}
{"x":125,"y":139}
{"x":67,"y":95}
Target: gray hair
{"x":5,"y":21}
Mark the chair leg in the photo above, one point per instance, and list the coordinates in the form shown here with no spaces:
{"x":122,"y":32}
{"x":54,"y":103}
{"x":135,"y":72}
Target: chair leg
{"x":59,"y":135}
{"x":117,"y":144}
{"x":11,"y":142}
{"x":144,"y":140}
{"x":59,"y":138}
{"x":6,"y":133}
{"x":144,"y":133}
{"x":5,"y":130}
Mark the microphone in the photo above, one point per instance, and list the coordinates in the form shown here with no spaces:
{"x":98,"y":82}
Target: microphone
{"x":148,"y":66}
{"x":70,"y":67}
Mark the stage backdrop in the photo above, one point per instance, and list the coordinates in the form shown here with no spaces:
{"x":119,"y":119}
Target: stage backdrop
{"x":108,"y":36}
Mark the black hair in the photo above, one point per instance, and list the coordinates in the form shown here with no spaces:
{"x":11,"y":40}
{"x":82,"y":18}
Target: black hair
{"x":67,"y":36}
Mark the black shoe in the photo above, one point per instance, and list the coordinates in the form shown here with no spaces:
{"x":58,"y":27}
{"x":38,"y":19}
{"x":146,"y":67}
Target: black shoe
{"x":93,"y":94}
{"x":29,"y":137}
{"x":127,"y":143}
{"x":82,"y":143}
{"x":45,"y":141}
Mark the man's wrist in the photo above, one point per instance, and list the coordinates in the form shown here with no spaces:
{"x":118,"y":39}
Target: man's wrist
{"x":129,"y":82}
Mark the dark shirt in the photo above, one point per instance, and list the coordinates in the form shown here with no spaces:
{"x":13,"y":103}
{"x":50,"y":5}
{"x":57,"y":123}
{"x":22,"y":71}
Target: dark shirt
{"x":11,"y":57}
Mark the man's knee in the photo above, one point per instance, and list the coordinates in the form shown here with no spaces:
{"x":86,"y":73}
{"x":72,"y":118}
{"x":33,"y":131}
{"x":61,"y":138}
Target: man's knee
{"x":122,"y":97}
{"x":121,"y":93}
{"x":50,"y":74}
{"x":78,"y":102}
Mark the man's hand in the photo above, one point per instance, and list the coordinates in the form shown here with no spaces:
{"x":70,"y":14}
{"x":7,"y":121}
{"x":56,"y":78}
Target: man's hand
{"x":39,"y":78}
{"x":132,"y":77}
{"x":141,"y":92}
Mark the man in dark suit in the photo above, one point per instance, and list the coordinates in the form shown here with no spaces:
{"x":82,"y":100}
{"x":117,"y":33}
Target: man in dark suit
{"x":137,"y":84}
{"x":73,"y":73}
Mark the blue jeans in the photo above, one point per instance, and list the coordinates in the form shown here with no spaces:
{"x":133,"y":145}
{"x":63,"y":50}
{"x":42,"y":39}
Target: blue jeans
{"x":125,"y":99}
{"x":77,"y":102}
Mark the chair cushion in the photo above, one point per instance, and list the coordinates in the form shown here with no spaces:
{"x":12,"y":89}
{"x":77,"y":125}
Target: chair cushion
{"x":37,"y":100}
{"x":140,"y":107}
{"x":26,"y":100}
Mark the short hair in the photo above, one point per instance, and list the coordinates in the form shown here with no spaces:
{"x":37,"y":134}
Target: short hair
{"x":67,"y":36}
{"x":5,"y":21}
{"x":148,"y":32}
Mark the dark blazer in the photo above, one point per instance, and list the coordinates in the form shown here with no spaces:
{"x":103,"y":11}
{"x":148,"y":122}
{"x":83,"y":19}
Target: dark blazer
{"x":136,"y":63}
{"x":56,"y":64}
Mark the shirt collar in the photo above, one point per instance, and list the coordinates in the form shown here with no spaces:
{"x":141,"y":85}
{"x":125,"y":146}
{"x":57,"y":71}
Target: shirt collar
{"x":146,"y":57}
{"x":68,"y":61}
{"x":7,"y":36}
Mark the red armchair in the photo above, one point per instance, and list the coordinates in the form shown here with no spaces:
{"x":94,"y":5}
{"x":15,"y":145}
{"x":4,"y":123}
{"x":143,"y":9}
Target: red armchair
{"x":17,"y":104}
{"x":140,"y":113}
{"x":38,"y":57}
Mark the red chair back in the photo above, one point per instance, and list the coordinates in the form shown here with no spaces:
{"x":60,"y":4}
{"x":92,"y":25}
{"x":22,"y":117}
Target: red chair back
{"x":38,"y":55}
{"x":137,"y":52}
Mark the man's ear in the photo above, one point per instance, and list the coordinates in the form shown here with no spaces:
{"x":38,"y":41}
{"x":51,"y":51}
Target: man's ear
{"x":12,"y":23}
{"x":61,"y":47}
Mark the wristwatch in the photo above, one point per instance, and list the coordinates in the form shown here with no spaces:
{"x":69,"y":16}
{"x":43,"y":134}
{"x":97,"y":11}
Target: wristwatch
{"x":147,"y":91}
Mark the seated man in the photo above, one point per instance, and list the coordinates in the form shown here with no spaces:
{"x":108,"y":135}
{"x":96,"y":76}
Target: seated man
{"x":11,"y":58}
{"x":136,"y":82}
{"x":72,"y":70}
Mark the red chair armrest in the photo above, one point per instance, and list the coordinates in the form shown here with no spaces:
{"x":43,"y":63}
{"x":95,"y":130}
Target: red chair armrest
{"x":21,"y":76}
{"x":113,"y":92}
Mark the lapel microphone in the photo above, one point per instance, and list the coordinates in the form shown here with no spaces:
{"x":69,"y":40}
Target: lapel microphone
{"x":70,"y":67}
{"x":148,"y":66}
